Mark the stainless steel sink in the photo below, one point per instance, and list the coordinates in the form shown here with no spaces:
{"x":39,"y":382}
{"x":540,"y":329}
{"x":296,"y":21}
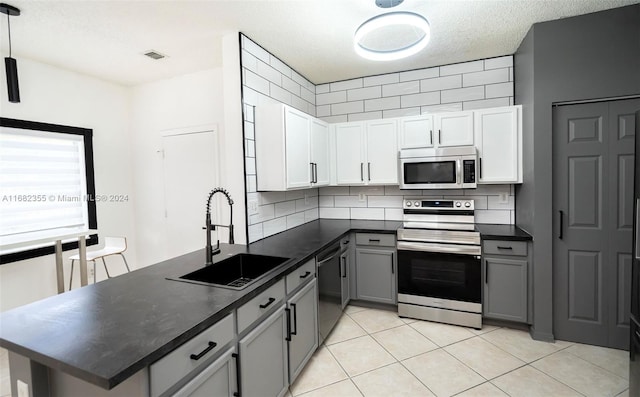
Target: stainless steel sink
{"x":236,"y":272}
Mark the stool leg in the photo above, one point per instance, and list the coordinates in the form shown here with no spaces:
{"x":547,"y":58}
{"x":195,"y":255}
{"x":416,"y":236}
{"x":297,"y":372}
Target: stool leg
{"x":105,"y":267}
{"x":71,"y":278}
{"x":125,"y":262}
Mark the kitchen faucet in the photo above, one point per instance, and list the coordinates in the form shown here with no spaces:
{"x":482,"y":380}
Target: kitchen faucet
{"x":210,"y":251}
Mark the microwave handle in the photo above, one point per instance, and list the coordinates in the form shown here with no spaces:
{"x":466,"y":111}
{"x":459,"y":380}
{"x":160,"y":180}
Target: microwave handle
{"x":458,"y":170}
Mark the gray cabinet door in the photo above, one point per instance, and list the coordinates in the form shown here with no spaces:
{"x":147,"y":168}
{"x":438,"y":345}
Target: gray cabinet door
{"x":593,"y":161}
{"x":375,"y":275}
{"x":263,"y":358}
{"x":218,"y":379}
{"x":505,"y":289}
{"x":303,"y":325}
{"x":345,"y":262}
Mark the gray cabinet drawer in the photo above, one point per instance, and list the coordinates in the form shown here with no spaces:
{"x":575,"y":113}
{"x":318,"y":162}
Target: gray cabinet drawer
{"x":252,"y":310}
{"x":500,"y":247}
{"x":380,"y":240}
{"x":302,"y":274}
{"x":165,"y":372}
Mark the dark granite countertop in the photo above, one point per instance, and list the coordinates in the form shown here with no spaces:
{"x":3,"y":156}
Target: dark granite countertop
{"x":502,"y":232}
{"x":106,"y":332}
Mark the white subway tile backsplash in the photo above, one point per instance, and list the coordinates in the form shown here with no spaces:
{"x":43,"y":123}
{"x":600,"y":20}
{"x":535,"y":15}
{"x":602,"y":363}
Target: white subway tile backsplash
{"x":410,"y":87}
{"x":322,"y":89}
{"x":367,"y":190}
{"x":346,"y":84}
{"x":486,"y":77}
{"x":382,"y":103}
{"x":463,"y":94}
{"x":295,"y":220}
{"x":306,"y":203}
{"x":499,"y":90}
{"x":479,"y":202}
{"x":256,"y":82}
{"x":290,"y":85}
{"x":250,"y":96}
{"x":500,"y":62}
{"x":485,"y":103}
{"x":466,"y":67}
{"x":441,"y":83}
{"x":280,"y":66}
{"x":255,"y":232}
{"x":419,"y":74}
{"x":393,"y":214}
{"x":493,"y":216}
{"x":265,"y":213}
{"x":274,"y":226}
{"x":493,"y":203}
{"x":334,"y":213}
{"x":334,"y":191}
{"x":335,"y":119}
{"x":249,"y":132}
{"x":511,"y":74}
{"x":444,"y":107}
{"x":384,"y":201}
{"x":325,"y":201}
{"x":256,"y":50}
{"x":492,"y":190}
{"x":367,"y":213}
{"x":250,"y":165}
{"x":427,"y":98}
{"x":280,"y":94}
{"x":249,"y":61}
{"x":302,"y":105}
{"x":331,"y":97}
{"x":251,"y":184}
{"x":295,"y":76}
{"x":349,"y":201}
{"x":364,"y":93}
{"x":365,"y":116}
{"x":307,"y":95}
{"x":271,"y":197}
{"x":294,"y":194}
{"x":285,"y":208}
{"x":269,"y":73}
{"x":391,"y":113}
{"x":311,"y":215}
{"x":381,"y":79}
{"x":324,"y":110}
{"x":347,"y":107}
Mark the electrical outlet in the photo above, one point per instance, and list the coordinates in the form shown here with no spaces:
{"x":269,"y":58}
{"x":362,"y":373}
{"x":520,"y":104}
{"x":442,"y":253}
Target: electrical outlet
{"x":23,"y":389}
{"x":253,"y":207}
{"x":90,"y":270}
{"x":361,"y":197}
{"x":504,"y":198}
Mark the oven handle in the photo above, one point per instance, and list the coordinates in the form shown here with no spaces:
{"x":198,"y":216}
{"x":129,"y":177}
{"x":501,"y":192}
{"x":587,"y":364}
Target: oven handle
{"x":440,"y":248}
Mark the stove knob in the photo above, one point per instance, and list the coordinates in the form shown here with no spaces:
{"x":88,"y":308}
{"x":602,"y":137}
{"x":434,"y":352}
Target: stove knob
{"x":458,"y":204}
{"x":408,"y":203}
{"x":467,"y":204}
{"x":417,"y":204}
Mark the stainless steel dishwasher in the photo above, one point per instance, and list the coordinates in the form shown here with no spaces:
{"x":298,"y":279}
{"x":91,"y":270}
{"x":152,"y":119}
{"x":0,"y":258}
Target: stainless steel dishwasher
{"x":329,"y":289}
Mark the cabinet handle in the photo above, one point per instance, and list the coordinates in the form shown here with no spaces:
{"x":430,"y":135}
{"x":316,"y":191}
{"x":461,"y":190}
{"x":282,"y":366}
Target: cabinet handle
{"x":237,"y":357}
{"x":264,"y":305}
{"x":486,"y":272}
{"x":311,"y":164}
{"x":295,"y":319}
{"x":209,"y":347}
{"x":343,"y":271}
{"x":374,"y":240}
{"x":369,"y":171}
{"x":287,"y":311}
{"x":438,"y":137}
{"x":362,"y":172}
{"x":504,"y":248}
{"x":315,"y":167}
{"x":561,"y":224}
{"x":480,"y":159}
{"x":305,"y":275}
{"x":392,"y":270}
{"x":431,"y":136}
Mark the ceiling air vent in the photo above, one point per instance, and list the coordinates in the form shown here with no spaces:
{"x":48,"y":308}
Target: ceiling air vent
{"x":154,"y":54}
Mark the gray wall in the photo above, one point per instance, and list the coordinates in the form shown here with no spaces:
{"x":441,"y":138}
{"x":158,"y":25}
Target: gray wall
{"x":587,"y":57}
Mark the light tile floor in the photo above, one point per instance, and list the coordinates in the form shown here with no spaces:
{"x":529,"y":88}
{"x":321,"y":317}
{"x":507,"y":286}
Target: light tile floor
{"x":373,"y":352}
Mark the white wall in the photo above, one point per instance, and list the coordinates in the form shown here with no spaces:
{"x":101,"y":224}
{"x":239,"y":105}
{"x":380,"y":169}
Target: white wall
{"x":190,"y":100}
{"x":58,"y":96}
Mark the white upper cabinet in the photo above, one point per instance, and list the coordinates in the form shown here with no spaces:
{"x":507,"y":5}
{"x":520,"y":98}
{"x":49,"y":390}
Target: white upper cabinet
{"x":498,"y":138}
{"x":367,"y":152}
{"x":415,"y":132}
{"x":453,"y":129}
{"x":286,"y":155}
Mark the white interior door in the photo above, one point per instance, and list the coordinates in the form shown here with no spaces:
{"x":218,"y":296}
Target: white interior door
{"x":190,"y":172}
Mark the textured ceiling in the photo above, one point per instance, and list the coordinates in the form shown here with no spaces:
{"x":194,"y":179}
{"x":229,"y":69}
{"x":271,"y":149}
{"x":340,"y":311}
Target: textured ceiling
{"x":106,"y":38}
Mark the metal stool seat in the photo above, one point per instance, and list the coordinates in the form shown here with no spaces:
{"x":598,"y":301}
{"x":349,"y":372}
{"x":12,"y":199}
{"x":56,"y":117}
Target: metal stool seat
{"x":112,"y":246}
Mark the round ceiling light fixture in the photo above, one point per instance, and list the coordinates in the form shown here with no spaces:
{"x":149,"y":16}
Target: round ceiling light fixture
{"x":392,"y":36}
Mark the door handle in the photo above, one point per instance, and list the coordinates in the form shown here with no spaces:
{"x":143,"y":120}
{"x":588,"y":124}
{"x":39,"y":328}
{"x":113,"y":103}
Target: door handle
{"x":369,"y":171}
{"x":438,"y":137}
{"x":311,"y":164}
{"x":486,"y":271}
{"x":295,"y":319}
{"x":480,"y":160}
{"x":392,"y":269}
{"x":561,"y":224}
{"x":315,"y":167}
{"x":305,"y":275}
{"x":458,"y":169}
{"x":431,"y":136}
{"x":287,"y":311}
{"x":264,"y":305}
{"x":209,"y":347}
{"x":362,"y":172}
{"x":237,"y":357}
{"x":343,"y":272}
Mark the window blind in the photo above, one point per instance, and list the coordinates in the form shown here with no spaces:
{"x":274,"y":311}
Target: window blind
{"x":42,"y":181}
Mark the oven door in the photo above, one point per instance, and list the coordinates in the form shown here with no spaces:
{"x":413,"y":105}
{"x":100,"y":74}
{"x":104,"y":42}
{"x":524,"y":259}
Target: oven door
{"x":430,"y":173}
{"x":451,"y":272}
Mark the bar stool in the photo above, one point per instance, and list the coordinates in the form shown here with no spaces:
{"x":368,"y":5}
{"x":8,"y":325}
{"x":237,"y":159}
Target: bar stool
{"x":112,"y":246}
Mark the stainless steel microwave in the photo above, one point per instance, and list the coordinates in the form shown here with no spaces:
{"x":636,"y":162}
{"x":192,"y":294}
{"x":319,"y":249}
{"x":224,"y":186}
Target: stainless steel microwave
{"x":441,"y":168}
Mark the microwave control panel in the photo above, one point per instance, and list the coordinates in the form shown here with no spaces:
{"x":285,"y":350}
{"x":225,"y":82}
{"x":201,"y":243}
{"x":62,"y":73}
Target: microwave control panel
{"x":469,"y":171}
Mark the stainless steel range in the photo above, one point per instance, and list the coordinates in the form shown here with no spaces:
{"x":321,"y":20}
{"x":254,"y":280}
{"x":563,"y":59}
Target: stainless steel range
{"x":439,"y":267}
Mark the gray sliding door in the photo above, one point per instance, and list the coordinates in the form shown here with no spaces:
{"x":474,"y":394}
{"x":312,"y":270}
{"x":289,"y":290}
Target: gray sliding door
{"x":593,"y":170}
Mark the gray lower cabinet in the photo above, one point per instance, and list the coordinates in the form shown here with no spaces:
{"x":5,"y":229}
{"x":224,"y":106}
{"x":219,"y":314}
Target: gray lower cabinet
{"x":375,"y":275}
{"x":345,"y":265}
{"x":505,"y":280}
{"x":303,"y":328}
{"x":263,"y":358}
{"x":218,"y":379}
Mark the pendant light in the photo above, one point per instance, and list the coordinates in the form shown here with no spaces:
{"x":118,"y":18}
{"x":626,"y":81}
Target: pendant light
{"x":10,"y":63}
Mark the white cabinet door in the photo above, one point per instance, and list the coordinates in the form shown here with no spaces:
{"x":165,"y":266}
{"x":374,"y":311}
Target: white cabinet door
{"x":497,"y":137}
{"x":297,"y":143}
{"x":453,"y":129}
{"x":382,"y":152}
{"x":416,"y":131}
{"x":349,"y":154}
{"x":320,"y":151}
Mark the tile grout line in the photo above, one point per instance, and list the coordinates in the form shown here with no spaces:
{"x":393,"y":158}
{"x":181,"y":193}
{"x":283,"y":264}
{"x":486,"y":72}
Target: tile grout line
{"x":595,"y":364}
